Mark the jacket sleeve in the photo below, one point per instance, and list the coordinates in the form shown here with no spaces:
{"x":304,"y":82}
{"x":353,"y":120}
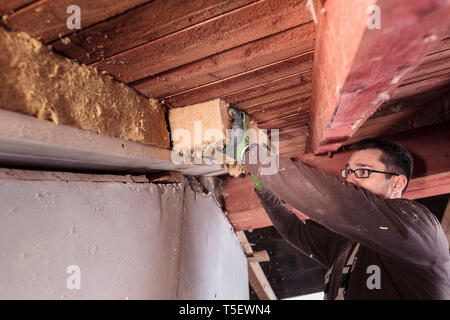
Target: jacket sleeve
{"x":399,"y":228}
{"x":307,"y":236}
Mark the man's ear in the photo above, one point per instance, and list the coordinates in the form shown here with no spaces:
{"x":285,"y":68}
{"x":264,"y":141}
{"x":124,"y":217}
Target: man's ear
{"x":399,"y":183}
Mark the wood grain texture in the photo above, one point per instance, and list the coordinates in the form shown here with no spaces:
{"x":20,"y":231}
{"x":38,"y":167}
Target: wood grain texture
{"x":263,"y":51}
{"x":7,"y":6}
{"x":256,"y":275}
{"x":221,"y":88}
{"x":351,"y":81}
{"x":218,"y":34}
{"x":270,"y":92}
{"x":47,"y":19}
{"x":429,"y":186}
{"x":146,"y":23}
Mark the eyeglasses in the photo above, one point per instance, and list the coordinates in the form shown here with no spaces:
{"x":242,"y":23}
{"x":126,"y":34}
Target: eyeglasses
{"x":363,"y":173}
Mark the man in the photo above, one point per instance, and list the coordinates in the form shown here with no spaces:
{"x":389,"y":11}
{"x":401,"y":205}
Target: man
{"x":375,"y":244}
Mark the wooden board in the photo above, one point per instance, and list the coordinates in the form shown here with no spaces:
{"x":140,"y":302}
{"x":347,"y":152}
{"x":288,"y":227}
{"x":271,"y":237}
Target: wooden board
{"x":261,"y":52}
{"x":221,"y":88}
{"x":32,"y":143}
{"x":47,"y":19}
{"x":351,"y":81}
{"x":218,"y":34}
{"x":140,"y":25}
{"x":7,"y":6}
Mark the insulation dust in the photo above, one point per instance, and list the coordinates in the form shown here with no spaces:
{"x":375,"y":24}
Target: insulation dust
{"x":37,"y":82}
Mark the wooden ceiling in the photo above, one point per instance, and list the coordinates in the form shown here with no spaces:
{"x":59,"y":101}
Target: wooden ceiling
{"x":257,"y":55}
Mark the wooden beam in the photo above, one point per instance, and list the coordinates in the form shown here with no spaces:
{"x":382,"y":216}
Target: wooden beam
{"x":33,"y":143}
{"x":229,"y":30}
{"x":407,"y":114}
{"x":140,"y":25}
{"x":11,"y":5}
{"x":47,"y":20}
{"x":356,"y":68}
{"x":260,"y":256}
{"x":445,"y":222}
{"x":428,"y":186}
{"x":302,"y":99}
{"x":282,"y":109}
{"x":256,"y":275}
{"x":278,"y":70}
{"x":270,"y":92}
{"x":422,"y":84}
{"x":249,"y":56}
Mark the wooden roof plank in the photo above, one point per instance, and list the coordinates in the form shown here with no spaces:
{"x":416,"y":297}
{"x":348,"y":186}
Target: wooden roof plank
{"x":240,"y":26}
{"x":148,"y":22}
{"x":242,"y":81}
{"x":277,"y":92}
{"x":245,"y":98}
{"x":351,"y":81}
{"x":7,"y":6}
{"x":47,"y":19}
{"x":263,"y":51}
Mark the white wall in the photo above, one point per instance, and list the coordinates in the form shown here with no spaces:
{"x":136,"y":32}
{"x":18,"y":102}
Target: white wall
{"x":130,"y":241}
{"x":213,"y":265}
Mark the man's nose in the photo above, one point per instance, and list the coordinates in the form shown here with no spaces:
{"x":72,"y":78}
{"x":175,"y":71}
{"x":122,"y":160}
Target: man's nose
{"x":352,"y":179}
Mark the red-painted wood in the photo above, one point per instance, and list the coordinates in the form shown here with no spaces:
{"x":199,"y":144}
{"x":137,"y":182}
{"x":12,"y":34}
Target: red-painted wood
{"x":429,"y":186}
{"x":240,"y":59}
{"x":356,"y":68}
{"x":146,"y":23}
{"x":249,"y":79}
{"x":272,"y":93}
{"x":7,"y":6}
{"x":47,"y":19}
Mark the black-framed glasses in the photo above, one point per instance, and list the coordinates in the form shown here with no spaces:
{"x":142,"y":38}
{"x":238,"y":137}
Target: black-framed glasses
{"x":363,"y":173}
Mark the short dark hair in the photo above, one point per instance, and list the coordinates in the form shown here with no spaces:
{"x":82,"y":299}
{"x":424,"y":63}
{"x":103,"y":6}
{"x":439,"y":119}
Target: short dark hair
{"x":395,"y":157}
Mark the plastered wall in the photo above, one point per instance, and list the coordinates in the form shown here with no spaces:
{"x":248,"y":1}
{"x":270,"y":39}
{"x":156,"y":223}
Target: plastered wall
{"x":129,"y":240}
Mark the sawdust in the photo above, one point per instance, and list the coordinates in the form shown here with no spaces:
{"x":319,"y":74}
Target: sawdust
{"x":37,"y":82}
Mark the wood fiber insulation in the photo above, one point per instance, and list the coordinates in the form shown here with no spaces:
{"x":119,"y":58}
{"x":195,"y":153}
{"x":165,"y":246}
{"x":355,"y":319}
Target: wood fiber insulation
{"x":200,"y":128}
{"x":37,"y":82}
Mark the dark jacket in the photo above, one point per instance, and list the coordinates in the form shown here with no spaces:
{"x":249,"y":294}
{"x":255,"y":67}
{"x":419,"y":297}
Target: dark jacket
{"x":401,"y":237}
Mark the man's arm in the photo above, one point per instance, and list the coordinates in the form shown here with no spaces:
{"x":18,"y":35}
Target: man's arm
{"x":309,"y":237}
{"x":397,"y":228}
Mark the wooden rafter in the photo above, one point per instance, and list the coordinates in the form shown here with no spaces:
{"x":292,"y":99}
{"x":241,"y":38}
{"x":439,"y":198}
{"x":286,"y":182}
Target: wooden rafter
{"x":357,"y":68}
{"x":430,"y":148}
{"x":256,"y":275}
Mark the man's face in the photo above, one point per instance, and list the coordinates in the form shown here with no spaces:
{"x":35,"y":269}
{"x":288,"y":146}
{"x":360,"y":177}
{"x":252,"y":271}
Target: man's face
{"x":384,"y":185}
